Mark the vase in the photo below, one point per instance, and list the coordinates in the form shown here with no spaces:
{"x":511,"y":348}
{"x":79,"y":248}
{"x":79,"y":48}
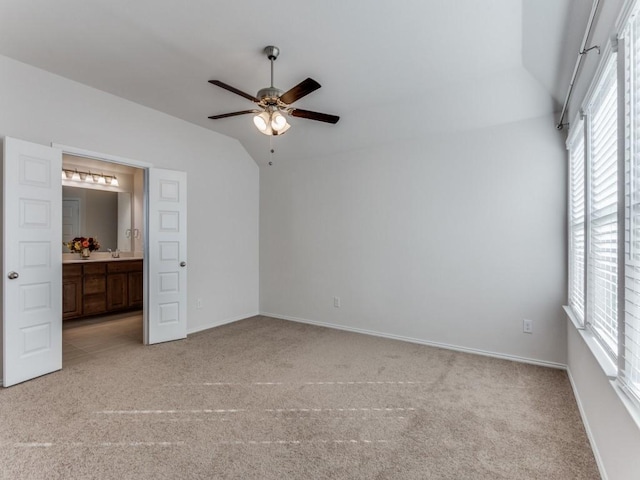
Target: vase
{"x":84,"y":254}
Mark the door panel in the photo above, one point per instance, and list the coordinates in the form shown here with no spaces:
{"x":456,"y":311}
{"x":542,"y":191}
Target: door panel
{"x":167,"y":256}
{"x":32,"y":273}
{"x":117,"y":291}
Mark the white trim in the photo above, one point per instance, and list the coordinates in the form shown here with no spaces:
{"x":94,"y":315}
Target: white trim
{"x":625,"y":14}
{"x":101,"y":156}
{"x":226,"y":321}
{"x":572,"y":316}
{"x":608,"y":366}
{"x":607,"y":51}
{"x":630,"y":405}
{"x":419,"y":341}
{"x":587,"y":428}
{"x":579,"y":118}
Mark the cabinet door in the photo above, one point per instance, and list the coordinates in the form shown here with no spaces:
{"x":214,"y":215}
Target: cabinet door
{"x":71,"y":297}
{"x":94,"y":284}
{"x":135,"y":289}
{"x":94,"y":290}
{"x":117,"y":297}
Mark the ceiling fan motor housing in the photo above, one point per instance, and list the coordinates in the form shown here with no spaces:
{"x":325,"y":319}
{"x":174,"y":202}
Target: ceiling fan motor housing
{"x":269,"y":95}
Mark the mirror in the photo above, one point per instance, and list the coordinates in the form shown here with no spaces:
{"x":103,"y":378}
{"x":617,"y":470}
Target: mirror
{"x":97,"y":213}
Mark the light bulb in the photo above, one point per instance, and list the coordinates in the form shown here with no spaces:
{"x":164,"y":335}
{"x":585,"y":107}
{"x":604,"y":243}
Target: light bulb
{"x":114,"y":182}
{"x":260,"y":122}
{"x":278,"y":121}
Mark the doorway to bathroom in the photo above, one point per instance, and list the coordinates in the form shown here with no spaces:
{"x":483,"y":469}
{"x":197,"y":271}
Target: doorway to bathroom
{"x":102,"y":288}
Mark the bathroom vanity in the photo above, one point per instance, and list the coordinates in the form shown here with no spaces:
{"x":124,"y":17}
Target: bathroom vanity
{"x":101,"y":286}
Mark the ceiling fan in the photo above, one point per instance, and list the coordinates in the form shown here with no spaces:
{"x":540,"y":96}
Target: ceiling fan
{"x":273,"y":106}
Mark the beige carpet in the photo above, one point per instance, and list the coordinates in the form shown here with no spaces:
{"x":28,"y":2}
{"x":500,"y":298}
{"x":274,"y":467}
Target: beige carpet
{"x":269,"y":399}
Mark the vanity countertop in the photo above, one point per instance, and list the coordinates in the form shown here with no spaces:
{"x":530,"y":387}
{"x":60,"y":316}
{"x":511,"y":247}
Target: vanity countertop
{"x":96,"y":258}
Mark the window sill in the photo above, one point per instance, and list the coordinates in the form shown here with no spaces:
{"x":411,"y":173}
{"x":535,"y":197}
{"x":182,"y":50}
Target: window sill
{"x":608,"y":366}
{"x":630,"y":405}
{"x":572,"y":317}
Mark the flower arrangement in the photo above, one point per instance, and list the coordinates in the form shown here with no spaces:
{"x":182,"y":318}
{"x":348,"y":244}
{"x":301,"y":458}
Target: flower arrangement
{"x":79,"y":243}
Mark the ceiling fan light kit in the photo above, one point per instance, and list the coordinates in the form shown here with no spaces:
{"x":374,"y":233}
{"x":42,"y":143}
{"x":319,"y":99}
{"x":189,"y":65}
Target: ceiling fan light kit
{"x":274,"y":106}
{"x":271,"y":122}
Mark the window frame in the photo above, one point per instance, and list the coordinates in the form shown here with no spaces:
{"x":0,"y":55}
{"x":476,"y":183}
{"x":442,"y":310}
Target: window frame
{"x":626,"y":64}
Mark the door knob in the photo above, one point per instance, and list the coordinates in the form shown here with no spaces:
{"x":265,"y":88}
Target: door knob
{"x":183,"y":264}
{"x":13,"y":275}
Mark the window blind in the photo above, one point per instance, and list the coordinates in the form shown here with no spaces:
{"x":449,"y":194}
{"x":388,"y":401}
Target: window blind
{"x":603,"y":199}
{"x":629,"y":375}
{"x":577,"y":220}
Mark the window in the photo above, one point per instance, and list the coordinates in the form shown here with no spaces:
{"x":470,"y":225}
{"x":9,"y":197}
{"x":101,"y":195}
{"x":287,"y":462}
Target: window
{"x":602,"y":207}
{"x":576,"y":220}
{"x":630,"y":351}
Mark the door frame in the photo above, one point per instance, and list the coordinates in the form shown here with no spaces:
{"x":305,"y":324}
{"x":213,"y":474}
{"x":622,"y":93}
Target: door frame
{"x":145,"y":166}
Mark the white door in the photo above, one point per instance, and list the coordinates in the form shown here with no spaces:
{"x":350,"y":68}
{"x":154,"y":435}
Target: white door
{"x":32,"y":261}
{"x":167,"y":272}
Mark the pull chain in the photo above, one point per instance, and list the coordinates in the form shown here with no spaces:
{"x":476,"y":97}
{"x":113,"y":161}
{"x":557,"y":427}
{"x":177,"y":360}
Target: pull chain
{"x":271,"y":150}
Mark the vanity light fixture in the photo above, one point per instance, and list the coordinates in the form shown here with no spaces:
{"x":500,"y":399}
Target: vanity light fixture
{"x":90,"y":177}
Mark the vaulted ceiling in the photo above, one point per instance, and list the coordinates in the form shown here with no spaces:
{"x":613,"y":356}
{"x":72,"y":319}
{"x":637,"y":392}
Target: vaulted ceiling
{"x":391,"y":70}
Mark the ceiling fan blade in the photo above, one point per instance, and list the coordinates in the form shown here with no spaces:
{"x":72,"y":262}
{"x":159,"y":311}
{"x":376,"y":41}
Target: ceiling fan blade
{"x":296,"y":93}
{"x":321,"y":117}
{"x":220,"y":84}
{"x":232,"y":114}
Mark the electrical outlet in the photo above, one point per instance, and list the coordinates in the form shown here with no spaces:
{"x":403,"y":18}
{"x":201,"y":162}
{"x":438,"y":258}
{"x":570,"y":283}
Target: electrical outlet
{"x":527,"y":326}
{"x":336,"y":302}
{"x":199,"y":303}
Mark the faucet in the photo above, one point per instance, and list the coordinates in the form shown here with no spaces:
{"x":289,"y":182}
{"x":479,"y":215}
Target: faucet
{"x":115,"y":254}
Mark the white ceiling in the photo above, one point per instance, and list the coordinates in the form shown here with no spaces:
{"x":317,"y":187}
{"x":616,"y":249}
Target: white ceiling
{"x":391,"y":70}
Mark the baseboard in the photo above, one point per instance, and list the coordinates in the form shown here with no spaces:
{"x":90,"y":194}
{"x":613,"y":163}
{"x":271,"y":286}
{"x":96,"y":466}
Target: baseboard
{"x":420,"y":341}
{"x":220,"y":323}
{"x":585,"y":422}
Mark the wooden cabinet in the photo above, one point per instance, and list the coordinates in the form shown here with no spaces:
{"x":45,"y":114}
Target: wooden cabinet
{"x":117,"y":291}
{"x":71,"y":291}
{"x":101,"y":287}
{"x":135,"y":289}
{"x":94,"y":286}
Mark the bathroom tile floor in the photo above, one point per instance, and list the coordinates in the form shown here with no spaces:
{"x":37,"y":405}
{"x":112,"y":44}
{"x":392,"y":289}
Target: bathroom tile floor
{"x":89,"y":338}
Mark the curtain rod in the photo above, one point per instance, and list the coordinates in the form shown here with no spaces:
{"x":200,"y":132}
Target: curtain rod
{"x":581,"y":53}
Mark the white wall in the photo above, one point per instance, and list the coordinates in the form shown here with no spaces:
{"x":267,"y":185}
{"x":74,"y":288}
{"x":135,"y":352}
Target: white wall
{"x":609,"y":424}
{"x":223,"y":180}
{"x":451,"y":239}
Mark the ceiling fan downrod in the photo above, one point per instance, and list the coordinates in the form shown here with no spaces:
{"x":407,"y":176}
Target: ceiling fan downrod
{"x":272,"y":53}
